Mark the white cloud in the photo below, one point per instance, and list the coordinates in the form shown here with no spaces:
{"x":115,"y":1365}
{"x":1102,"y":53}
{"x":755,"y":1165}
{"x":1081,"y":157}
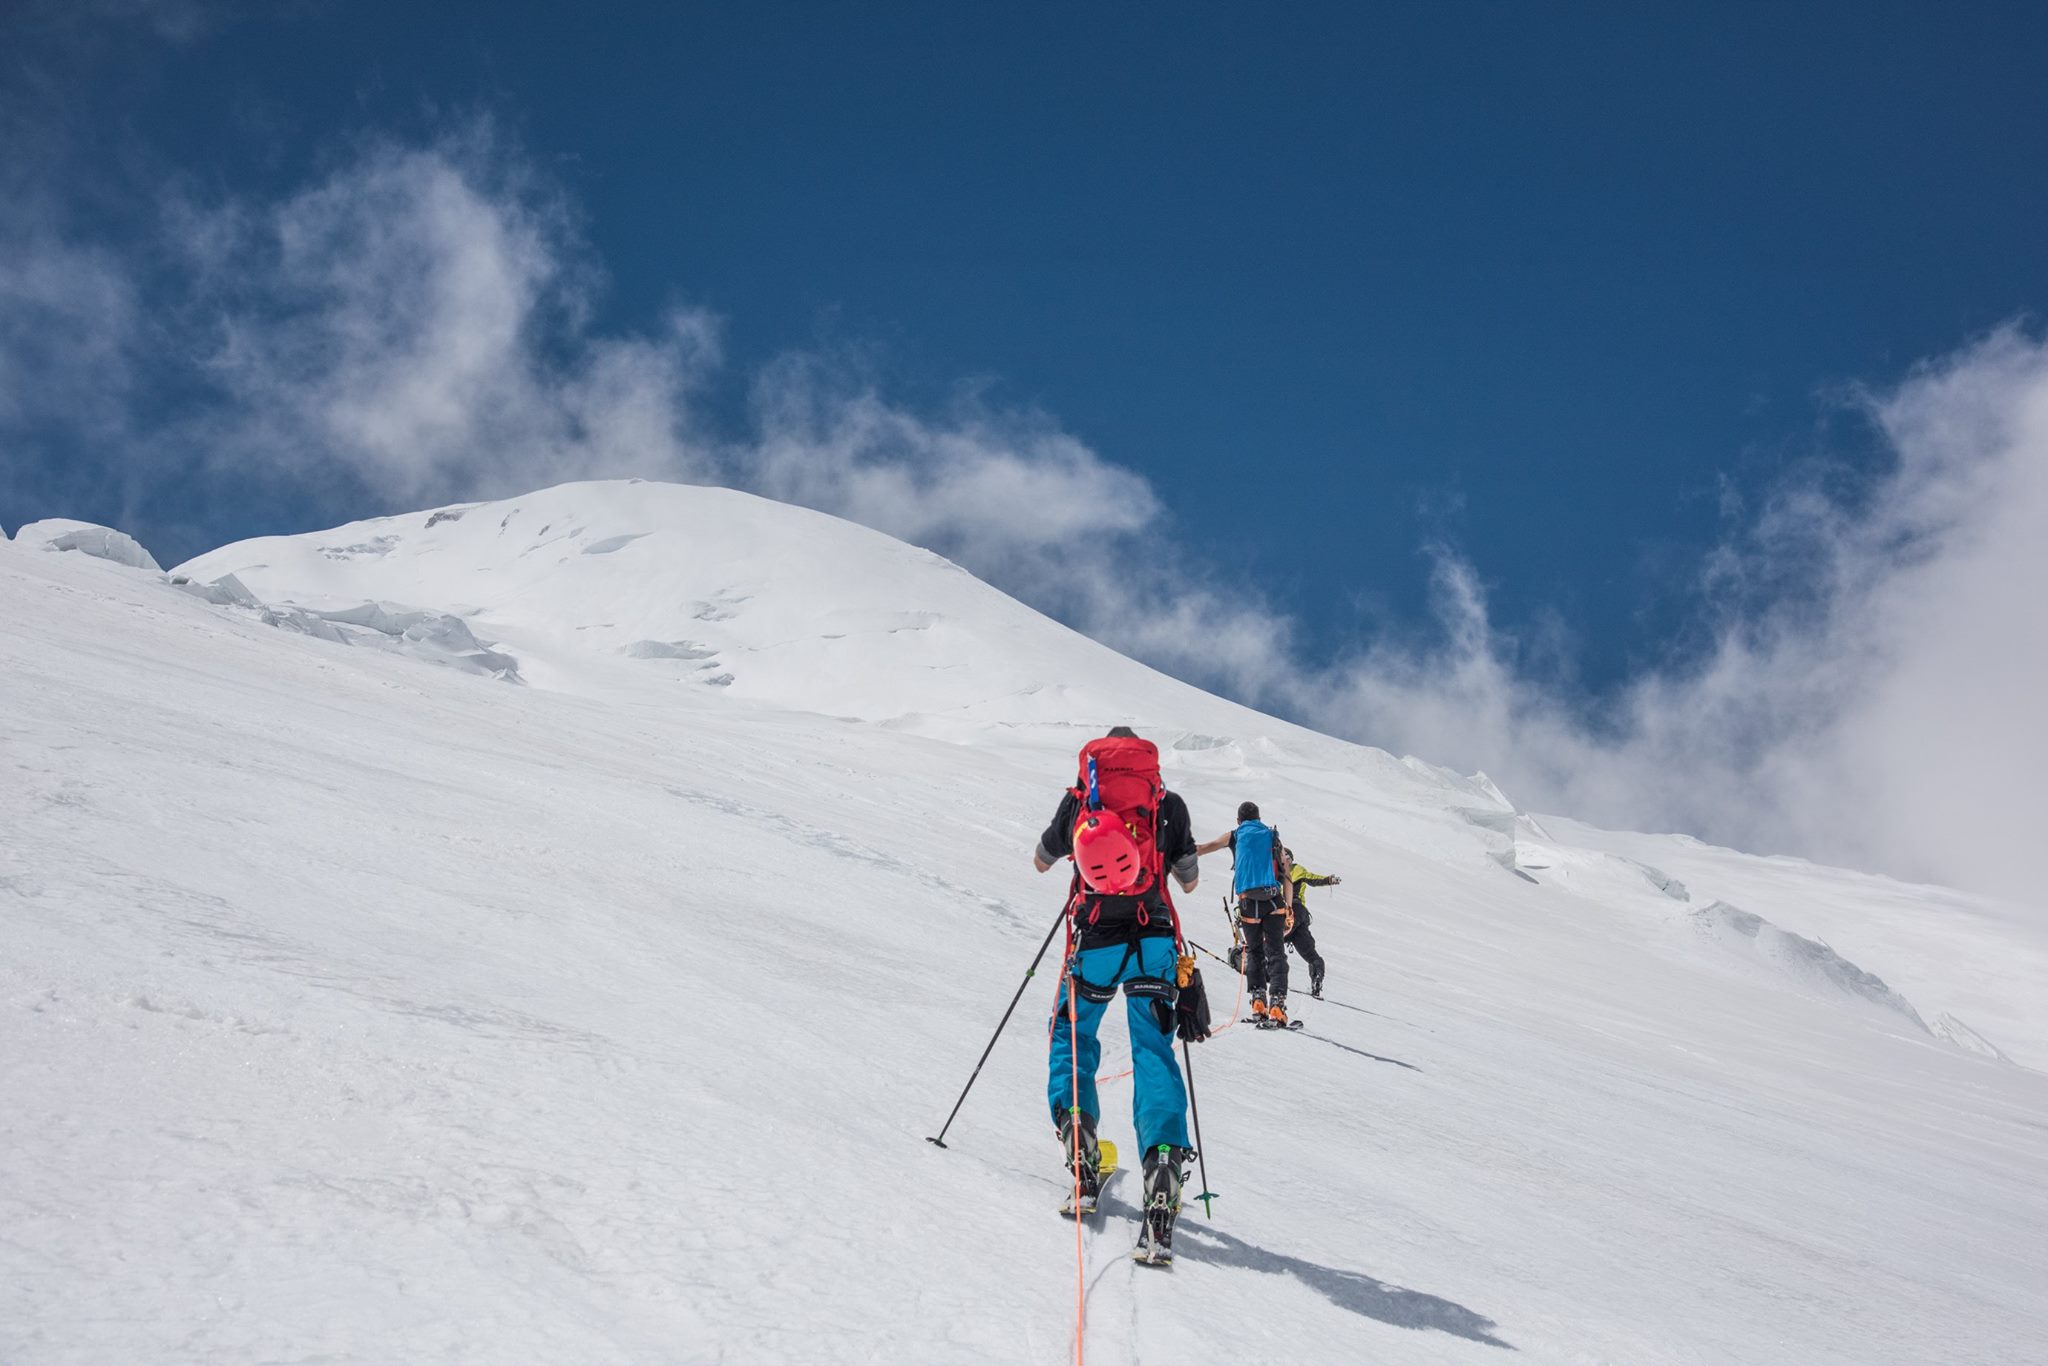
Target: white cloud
{"x":1940,"y":611}
{"x":1872,"y":695}
{"x":994,"y":485}
{"x":419,"y":323}
{"x":419,"y":320}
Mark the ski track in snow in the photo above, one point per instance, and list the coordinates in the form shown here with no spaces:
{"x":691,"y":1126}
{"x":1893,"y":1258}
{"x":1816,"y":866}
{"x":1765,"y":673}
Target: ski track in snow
{"x":358,"y":1009}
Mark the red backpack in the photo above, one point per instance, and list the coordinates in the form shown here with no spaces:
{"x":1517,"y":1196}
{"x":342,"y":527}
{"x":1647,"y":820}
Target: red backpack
{"x":1116,"y":835}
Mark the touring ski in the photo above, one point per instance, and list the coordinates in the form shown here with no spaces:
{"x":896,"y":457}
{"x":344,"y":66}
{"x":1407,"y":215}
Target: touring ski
{"x":1091,"y":1190}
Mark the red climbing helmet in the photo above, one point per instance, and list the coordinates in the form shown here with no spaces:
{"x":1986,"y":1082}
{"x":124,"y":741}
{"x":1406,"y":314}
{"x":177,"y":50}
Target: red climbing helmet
{"x":1106,"y":854}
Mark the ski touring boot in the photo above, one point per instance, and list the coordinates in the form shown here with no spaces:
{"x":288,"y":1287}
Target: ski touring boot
{"x":1276,"y":1017}
{"x":1163,"y":1177}
{"x":1315,"y":982}
{"x":1258,"y":1007}
{"x":1077,"y":1142}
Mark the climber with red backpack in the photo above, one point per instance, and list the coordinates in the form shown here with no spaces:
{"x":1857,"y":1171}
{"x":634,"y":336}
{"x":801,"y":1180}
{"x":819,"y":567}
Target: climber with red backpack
{"x":1124,"y":831}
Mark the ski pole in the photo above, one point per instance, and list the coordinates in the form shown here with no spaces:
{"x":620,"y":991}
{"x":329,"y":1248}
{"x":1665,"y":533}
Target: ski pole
{"x":1199,"y":949}
{"x":941,"y":1139}
{"x":1201,"y":1162}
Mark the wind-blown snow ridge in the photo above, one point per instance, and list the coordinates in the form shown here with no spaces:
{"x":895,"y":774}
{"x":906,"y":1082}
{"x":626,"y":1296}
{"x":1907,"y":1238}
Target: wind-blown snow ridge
{"x":1806,"y":961}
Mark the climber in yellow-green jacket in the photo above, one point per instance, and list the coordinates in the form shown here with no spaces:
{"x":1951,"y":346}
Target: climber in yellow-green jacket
{"x":1298,"y":936}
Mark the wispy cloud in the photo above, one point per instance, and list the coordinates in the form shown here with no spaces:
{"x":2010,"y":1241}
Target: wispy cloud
{"x":416,"y":326}
{"x":174,"y":21}
{"x":417,"y":321}
{"x":68,"y":324}
{"x":1870,"y":694}
{"x":1002,"y":486}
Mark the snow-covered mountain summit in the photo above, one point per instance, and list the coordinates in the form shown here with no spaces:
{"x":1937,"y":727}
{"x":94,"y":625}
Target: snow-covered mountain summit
{"x":595,"y":586}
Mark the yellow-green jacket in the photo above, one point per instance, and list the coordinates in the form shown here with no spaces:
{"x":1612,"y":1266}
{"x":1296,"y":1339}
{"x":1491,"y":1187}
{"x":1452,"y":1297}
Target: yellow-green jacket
{"x":1303,"y":879}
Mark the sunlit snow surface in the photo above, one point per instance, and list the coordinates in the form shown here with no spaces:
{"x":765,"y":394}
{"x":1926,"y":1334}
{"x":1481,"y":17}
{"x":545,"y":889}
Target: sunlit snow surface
{"x":594,"y":1008}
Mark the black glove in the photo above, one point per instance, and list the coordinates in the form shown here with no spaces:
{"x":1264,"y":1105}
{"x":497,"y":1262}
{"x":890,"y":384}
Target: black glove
{"x":1191,"y":1008}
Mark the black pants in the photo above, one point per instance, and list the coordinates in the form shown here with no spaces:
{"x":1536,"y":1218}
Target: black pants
{"x":1265,"y":947}
{"x":1305,"y":944}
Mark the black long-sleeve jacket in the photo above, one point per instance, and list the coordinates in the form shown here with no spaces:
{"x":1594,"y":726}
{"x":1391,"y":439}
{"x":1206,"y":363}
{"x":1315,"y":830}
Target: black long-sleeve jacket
{"x":1114,"y":919}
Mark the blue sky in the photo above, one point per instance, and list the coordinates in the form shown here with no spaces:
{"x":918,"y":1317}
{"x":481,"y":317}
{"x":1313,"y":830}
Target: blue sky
{"x":1385,"y":309}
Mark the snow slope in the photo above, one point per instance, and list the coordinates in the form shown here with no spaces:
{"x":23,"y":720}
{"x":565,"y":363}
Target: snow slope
{"x":1979,"y":963}
{"x":357,"y":1008}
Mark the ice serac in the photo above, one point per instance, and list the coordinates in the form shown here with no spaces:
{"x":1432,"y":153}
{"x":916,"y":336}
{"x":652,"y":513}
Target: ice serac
{"x":87,"y":538}
{"x":225,"y":591}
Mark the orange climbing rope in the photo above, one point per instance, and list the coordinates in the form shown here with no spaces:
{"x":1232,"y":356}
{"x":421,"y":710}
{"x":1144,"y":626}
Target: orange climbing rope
{"x":1073,"y":1123}
{"x":1236,"y":1009}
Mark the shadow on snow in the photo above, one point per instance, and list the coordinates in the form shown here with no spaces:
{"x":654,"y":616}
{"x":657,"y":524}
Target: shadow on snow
{"x":1359,"y":1051}
{"x":1353,"y":1291}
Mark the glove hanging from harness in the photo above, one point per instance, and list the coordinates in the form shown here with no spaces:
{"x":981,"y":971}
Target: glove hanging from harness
{"x":1191,"y":1006}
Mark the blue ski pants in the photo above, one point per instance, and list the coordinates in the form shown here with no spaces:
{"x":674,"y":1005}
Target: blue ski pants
{"x":1159,"y":1099}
